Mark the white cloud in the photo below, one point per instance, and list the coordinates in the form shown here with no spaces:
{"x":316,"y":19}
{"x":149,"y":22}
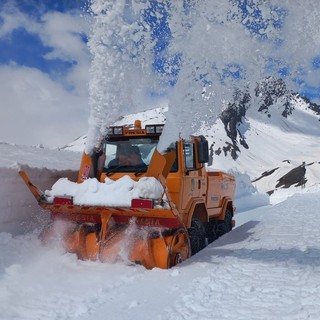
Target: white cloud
{"x":12,"y":18}
{"x":62,"y":32}
{"x":38,"y":110}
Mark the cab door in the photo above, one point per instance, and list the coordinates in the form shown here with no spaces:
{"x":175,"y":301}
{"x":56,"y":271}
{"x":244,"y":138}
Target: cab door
{"x":191,"y":181}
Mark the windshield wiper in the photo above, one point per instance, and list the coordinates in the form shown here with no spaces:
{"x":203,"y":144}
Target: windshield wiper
{"x":115,"y":169}
{"x":136,"y":169}
{"x":141,"y":169}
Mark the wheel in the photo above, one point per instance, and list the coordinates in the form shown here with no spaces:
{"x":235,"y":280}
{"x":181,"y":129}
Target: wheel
{"x":197,"y":235}
{"x":212,"y":230}
{"x":224,"y":226}
{"x":47,"y":233}
{"x":179,"y":248}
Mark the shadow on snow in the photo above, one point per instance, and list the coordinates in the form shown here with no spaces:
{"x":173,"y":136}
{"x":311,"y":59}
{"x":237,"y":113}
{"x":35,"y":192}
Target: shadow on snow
{"x":309,"y":257}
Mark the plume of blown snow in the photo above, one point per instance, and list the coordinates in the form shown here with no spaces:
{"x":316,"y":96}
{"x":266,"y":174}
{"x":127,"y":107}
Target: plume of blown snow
{"x":214,"y":49}
{"x":121,"y":48}
{"x":218,"y":56}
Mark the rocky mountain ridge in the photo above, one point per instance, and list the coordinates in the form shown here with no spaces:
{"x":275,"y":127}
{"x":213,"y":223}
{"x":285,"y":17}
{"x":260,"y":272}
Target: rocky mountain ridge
{"x":269,"y":94}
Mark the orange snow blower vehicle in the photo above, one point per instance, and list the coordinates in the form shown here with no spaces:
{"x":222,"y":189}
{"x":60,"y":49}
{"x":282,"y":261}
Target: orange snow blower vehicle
{"x":195,"y":207}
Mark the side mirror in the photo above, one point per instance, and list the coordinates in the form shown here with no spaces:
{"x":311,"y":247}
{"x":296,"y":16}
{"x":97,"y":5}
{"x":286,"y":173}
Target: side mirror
{"x":203,"y":151}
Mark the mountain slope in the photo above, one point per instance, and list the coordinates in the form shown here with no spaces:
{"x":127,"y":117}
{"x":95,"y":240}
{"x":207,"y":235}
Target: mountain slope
{"x":271,"y":136}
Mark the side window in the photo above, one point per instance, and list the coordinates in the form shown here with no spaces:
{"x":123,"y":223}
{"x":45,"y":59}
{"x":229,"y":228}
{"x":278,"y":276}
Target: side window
{"x":173,"y":146}
{"x":110,"y":151}
{"x":188,"y":155}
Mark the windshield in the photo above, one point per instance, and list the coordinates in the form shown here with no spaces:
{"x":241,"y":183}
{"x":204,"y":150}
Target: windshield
{"x":132,"y":155}
{"x":129,"y":155}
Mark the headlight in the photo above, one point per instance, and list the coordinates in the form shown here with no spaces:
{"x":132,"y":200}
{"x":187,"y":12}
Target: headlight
{"x":150,"y":129}
{"x":159,"y":129}
{"x":117,"y":130}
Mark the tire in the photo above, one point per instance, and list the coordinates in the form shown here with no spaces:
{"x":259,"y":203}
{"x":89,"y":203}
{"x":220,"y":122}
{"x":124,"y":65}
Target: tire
{"x":179,"y":248}
{"x":212,"y":230}
{"x":225,"y":225}
{"x":197,"y":236}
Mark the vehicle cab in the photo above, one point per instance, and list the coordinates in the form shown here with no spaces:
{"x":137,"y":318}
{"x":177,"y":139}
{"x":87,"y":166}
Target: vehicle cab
{"x":128,"y":150}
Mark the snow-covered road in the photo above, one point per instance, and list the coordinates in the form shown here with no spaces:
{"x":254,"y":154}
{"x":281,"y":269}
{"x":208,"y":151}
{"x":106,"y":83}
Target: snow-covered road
{"x":266,"y":268}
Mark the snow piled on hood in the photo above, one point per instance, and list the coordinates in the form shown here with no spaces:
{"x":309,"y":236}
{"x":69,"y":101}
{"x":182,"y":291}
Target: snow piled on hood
{"x":112,"y":193}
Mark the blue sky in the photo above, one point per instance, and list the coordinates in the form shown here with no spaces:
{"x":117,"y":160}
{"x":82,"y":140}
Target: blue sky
{"x":20,"y":40}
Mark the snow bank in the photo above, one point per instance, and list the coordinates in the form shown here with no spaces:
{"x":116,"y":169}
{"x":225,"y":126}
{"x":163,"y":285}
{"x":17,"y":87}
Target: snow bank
{"x":53,"y":159}
{"x":247,"y":197}
{"x":19,"y":211}
{"x":112,"y":193}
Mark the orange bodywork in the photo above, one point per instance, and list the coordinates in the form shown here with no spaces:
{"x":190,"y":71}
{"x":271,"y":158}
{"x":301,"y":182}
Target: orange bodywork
{"x":149,"y":246}
{"x":151,"y":236}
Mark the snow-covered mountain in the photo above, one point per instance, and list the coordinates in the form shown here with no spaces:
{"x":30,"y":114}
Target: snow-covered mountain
{"x":271,"y":134}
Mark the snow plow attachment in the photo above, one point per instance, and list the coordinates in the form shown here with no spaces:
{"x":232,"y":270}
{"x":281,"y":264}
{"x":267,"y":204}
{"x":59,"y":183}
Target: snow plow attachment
{"x":110,"y":234}
{"x":153,"y":238}
{"x":148,"y":233}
